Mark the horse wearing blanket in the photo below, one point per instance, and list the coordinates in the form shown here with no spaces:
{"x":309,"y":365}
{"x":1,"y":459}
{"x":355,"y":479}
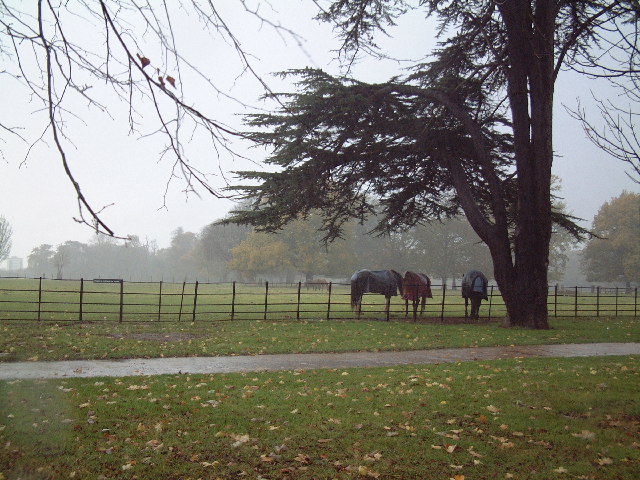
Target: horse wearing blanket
{"x":474,"y":287}
{"x":417,"y":288}
{"x":385,"y":282}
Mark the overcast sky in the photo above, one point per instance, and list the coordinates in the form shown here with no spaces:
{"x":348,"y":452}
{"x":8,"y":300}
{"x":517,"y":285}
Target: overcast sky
{"x":124,"y":173}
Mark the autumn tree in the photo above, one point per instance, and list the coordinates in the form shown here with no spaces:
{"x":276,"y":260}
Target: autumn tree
{"x":260,"y":254}
{"x":296,"y":249}
{"x":614,"y":255}
{"x":468,"y":131}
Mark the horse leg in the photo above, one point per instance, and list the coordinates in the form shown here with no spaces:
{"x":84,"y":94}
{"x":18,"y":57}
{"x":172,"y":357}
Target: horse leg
{"x":415,"y":309}
{"x":423,"y":304}
{"x":386,"y":307}
{"x":466,"y":304}
{"x":475,"y":307}
{"x":406,"y":307}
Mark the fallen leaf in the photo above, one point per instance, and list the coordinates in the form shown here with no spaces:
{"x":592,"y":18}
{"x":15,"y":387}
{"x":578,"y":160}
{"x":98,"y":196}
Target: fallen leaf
{"x":585,"y":435}
{"x":367,"y":472}
{"x":604,"y":461}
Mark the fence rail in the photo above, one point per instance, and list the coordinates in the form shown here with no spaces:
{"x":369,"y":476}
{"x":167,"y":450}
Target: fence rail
{"x":117,"y":300}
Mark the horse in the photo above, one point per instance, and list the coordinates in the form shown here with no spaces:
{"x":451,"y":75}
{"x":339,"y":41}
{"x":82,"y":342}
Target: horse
{"x":385,"y":282}
{"x":318,"y":284}
{"x":474,"y":287}
{"x":417,"y":288}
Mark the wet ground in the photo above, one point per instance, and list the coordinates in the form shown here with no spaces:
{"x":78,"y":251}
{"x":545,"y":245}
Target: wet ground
{"x":307,"y":361}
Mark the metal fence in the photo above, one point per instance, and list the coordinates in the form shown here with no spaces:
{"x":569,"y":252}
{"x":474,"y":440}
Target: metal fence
{"x":116,"y":300}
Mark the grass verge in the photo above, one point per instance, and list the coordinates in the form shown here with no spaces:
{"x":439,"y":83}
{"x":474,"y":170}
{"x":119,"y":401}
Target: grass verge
{"x":20,"y":341}
{"x":508,"y":419}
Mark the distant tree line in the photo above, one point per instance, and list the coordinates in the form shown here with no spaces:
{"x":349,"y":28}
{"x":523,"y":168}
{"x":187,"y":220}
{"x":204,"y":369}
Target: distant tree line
{"x":220,"y":253}
{"x":443,"y":250}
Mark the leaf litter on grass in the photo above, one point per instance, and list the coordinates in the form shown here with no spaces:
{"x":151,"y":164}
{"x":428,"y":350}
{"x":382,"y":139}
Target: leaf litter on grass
{"x":471,"y":420}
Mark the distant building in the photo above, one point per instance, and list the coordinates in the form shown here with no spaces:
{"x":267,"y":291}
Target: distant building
{"x":13,"y":263}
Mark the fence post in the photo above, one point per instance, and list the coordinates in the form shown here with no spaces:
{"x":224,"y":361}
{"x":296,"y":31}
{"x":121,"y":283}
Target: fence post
{"x":616,"y":301}
{"x":195,"y":302}
{"x":160,"y":301}
{"x":81,"y":295}
{"x":329,"y":302}
{"x":575,"y":303}
{"x":233,"y":300}
{"x":490,"y":301}
{"x":266,"y":297}
{"x":598,"y":301}
{"x":555,"y":301}
{"x":181,"y":301}
{"x":635,"y":303}
{"x":298,"y":307}
{"x":39,"y":298}
{"x":121,"y":300}
{"x":444,"y":294}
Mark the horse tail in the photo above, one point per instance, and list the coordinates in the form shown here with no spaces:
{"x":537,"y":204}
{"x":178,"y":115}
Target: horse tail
{"x":356,"y":293}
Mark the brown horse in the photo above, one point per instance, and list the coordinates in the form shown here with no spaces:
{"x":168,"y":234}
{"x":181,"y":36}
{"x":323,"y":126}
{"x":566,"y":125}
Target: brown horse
{"x":417,"y":288}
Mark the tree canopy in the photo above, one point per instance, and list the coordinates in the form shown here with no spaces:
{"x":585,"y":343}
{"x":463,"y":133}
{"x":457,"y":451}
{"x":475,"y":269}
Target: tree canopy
{"x":614,"y":255}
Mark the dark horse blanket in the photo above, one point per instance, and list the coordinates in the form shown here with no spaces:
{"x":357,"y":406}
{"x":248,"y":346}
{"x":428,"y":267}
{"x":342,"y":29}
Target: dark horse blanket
{"x":416,"y":286}
{"x":468,"y":282}
{"x":385,"y":282}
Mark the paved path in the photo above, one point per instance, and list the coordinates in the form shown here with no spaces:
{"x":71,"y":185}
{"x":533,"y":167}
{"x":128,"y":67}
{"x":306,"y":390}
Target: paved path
{"x":307,"y":361}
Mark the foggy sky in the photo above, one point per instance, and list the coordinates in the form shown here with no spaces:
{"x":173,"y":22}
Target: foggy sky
{"x":123,"y":173}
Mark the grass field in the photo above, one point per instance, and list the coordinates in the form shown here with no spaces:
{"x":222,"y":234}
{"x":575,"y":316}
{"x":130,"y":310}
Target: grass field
{"x":102,"y":340}
{"x":74,"y":300}
{"x":508,"y":419}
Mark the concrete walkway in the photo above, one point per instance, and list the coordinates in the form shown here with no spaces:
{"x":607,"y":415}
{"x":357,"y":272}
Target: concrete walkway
{"x":307,"y":361}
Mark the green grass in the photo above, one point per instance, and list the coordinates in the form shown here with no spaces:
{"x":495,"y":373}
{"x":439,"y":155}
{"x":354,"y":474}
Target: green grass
{"x":101,"y":340}
{"x":520,"y":419}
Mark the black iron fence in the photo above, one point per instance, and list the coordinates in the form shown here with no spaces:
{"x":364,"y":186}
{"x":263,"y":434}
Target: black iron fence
{"x":82,"y":300}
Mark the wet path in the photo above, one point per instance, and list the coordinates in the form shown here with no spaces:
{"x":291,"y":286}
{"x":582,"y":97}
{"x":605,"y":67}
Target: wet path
{"x":307,"y":361}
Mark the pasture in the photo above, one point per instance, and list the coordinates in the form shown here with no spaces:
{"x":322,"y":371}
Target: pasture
{"x":28,"y":340}
{"x":504,"y":419}
{"x":476,"y":420}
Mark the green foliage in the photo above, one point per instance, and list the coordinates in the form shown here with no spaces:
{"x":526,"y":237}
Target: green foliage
{"x":340,"y":142}
{"x":614,"y":255}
